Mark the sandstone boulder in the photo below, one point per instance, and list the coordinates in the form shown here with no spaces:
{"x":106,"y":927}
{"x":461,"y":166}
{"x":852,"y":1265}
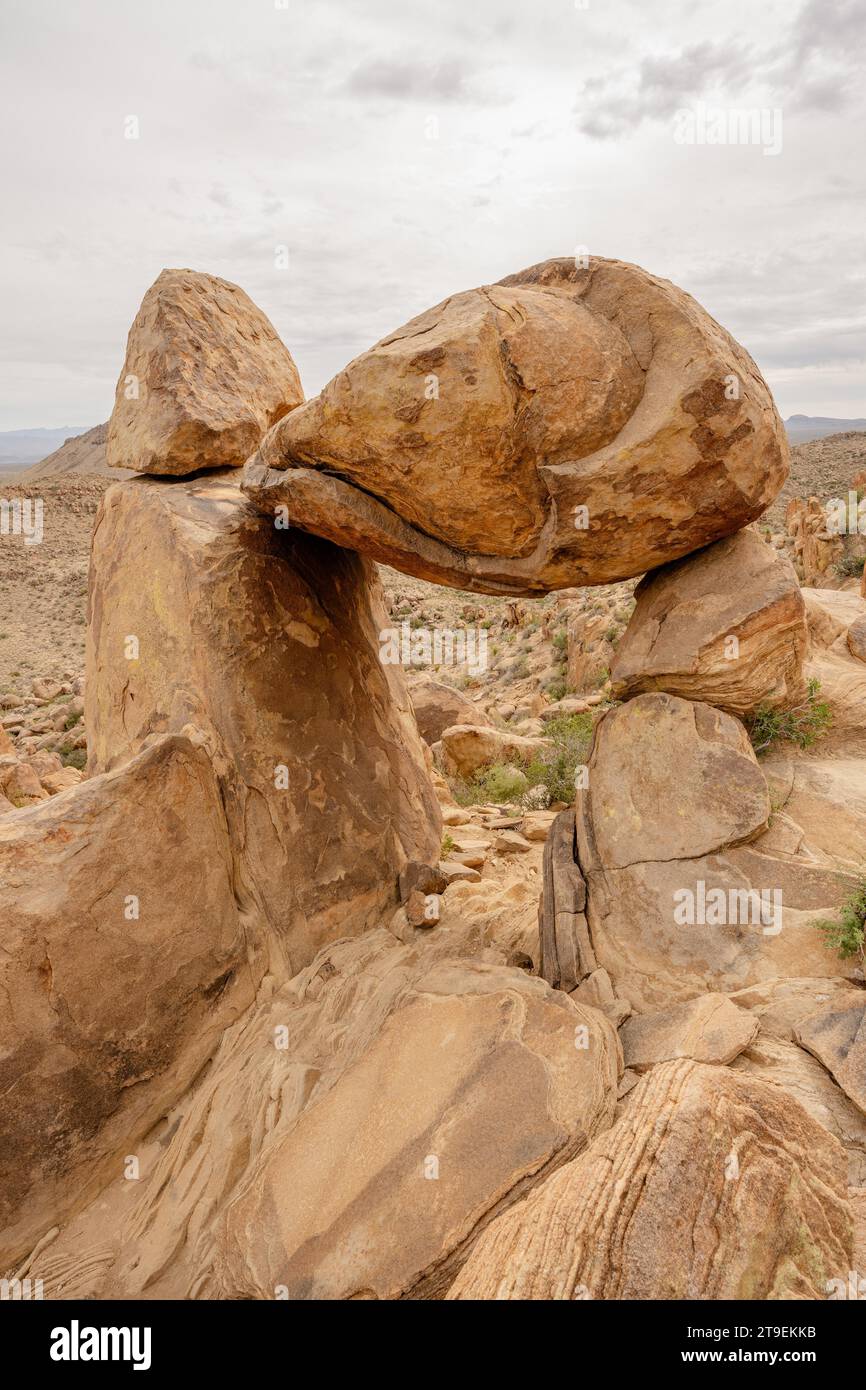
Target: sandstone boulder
{"x":366,"y":1117}
{"x":678,"y":898}
{"x":590,"y":650}
{"x":439,"y":706}
{"x":726,"y":625}
{"x":856,"y":638}
{"x":123,"y":956}
{"x":655,"y":761}
{"x":268,"y":642}
{"x":468,"y":748}
{"x":565,"y":426}
{"x":510,"y":1096}
{"x":710,"y":1186}
{"x":782,"y":1063}
{"x":205,"y":376}
{"x":708,"y":1029}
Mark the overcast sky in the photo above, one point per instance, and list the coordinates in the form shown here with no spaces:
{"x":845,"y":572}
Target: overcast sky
{"x":309,"y":125}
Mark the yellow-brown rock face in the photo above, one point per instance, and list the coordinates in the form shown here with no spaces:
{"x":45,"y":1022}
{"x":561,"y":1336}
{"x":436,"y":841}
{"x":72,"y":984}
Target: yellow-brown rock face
{"x":124,"y":957}
{"x":727,"y":625}
{"x":205,"y":376}
{"x":267,"y":641}
{"x":563,"y":427}
{"x":710,"y":1186}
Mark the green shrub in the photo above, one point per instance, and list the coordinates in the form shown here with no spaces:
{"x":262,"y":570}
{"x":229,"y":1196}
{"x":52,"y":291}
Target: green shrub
{"x":803,"y":724}
{"x":846,"y":934}
{"x":499,"y":783}
{"x":448,"y":846}
{"x":850,"y":566}
{"x":557,"y":689}
{"x":73,"y":757}
{"x":555,"y":767}
{"x":560,"y":640}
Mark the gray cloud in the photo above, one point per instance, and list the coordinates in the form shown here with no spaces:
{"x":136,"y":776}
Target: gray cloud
{"x":418,"y":80}
{"x":308,"y":128}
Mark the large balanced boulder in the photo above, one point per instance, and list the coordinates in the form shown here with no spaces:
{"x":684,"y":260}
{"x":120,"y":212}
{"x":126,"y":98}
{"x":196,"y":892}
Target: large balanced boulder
{"x":727,"y":625}
{"x":566,"y":426}
{"x":205,"y":376}
{"x":267,"y":640}
{"x":710,"y":1186}
{"x":124,"y":954}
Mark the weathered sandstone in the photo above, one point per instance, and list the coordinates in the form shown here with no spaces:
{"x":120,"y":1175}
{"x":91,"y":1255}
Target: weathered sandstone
{"x":710,"y":1186}
{"x":268,"y":642}
{"x":565,"y":426}
{"x":727,"y":625}
{"x":205,"y":376}
{"x":124,"y":957}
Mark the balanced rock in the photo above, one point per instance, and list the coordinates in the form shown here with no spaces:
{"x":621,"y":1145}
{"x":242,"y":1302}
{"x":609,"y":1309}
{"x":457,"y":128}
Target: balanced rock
{"x":565,"y":426}
{"x":267,"y":641}
{"x":711,"y":1185}
{"x":205,"y":376}
{"x":124,"y":956}
{"x":708,"y":1029}
{"x":727,"y":625}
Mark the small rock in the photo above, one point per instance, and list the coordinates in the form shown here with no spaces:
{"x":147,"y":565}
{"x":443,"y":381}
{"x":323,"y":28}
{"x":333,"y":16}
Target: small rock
{"x":458,"y":873}
{"x":22,"y":786}
{"x":61,"y":781}
{"x":423,"y":910}
{"x":416,"y":877}
{"x":455,"y":815}
{"x":536,"y":825}
{"x":510,"y":842}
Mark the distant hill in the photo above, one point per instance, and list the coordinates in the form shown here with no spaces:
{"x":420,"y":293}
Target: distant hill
{"x":801,"y":428}
{"x":83,"y":454}
{"x":822,"y":468}
{"x":20,"y":448}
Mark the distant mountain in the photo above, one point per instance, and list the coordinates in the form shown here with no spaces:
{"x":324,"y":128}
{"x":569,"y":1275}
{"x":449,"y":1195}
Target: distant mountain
{"x":20,"y":448}
{"x":822,"y":468}
{"x":83,"y":454}
{"x":801,"y":428}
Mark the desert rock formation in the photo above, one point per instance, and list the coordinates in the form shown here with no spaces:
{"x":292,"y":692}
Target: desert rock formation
{"x":469,"y":448}
{"x":205,"y":376}
{"x":377,"y":1029}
